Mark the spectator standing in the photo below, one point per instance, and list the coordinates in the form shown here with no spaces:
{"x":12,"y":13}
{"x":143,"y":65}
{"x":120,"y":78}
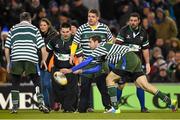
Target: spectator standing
{"x":48,"y":33}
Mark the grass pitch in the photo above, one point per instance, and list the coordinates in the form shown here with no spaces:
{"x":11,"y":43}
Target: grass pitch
{"x":35,"y":114}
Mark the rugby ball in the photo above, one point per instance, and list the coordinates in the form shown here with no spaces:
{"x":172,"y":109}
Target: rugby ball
{"x":60,"y":78}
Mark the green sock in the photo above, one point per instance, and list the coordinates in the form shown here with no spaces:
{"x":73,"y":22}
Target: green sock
{"x":15,"y":98}
{"x":112,"y":90}
{"x":163,"y":97}
{"x":40,"y":99}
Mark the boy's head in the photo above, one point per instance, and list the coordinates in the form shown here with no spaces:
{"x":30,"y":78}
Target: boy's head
{"x":94,"y":41}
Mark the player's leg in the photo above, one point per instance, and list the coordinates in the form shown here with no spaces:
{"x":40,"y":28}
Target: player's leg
{"x":84,"y":94}
{"x":144,"y":84}
{"x":121,"y":85}
{"x":55,"y":91}
{"x":112,"y":89}
{"x":32,"y":70}
{"x":90,"y":101}
{"x":70,"y":93}
{"x":15,"y":92}
{"x":101,"y":85}
{"x":141,"y":97}
{"x":46,"y":87}
{"x":15,"y":74}
{"x":133,"y":66}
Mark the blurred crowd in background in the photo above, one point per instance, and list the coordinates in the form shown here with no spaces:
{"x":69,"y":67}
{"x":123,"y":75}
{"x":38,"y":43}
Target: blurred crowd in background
{"x":160,"y":18}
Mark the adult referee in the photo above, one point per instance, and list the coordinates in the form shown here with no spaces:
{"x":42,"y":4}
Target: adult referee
{"x":21,"y":48}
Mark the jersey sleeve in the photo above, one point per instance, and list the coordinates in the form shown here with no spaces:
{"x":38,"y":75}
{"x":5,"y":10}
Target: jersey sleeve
{"x":8,"y":40}
{"x":79,"y":52}
{"x":77,"y":37}
{"x":120,"y":37}
{"x":49,"y":46}
{"x":92,"y":70}
{"x":39,"y":40}
{"x":109,"y":34}
{"x":73,"y":48}
{"x":99,"y":52}
{"x":82,"y":64}
{"x":145,"y":44}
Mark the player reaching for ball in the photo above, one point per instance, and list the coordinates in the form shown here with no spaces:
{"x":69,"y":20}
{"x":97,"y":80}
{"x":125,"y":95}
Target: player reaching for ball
{"x":64,"y":93}
{"x":127,"y":63}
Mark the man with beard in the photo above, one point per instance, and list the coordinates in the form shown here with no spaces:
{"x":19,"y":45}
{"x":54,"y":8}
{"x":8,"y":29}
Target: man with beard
{"x":134,"y":36}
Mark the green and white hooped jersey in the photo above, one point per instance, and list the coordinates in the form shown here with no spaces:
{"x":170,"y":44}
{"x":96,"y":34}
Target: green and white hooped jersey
{"x":112,"y":52}
{"x":84,"y":32}
{"x":24,"y":39}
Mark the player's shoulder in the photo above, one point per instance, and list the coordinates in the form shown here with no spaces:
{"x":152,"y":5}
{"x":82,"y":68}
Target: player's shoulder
{"x":83,"y":26}
{"x":34,"y":27}
{"x":143,"y":30}
{"x":103,"y":25}
{"x":124,"y":28}
{"x":56,"y":38}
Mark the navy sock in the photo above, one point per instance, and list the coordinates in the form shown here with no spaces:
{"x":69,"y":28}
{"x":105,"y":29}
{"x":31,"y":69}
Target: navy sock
{"x":140,"y":95}
{"x":119,"y":94}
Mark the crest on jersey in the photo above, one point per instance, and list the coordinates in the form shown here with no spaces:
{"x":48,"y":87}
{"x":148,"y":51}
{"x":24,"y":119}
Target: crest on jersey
{"x":141,"y":38}
{"x":128,"y":36}
{"x":57,"y":46}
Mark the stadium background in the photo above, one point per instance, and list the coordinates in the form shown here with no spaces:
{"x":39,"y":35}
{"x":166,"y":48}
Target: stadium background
{"x":114,"y":13}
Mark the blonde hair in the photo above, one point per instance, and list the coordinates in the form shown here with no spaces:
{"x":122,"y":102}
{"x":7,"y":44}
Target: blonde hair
{"x":46,"y":21}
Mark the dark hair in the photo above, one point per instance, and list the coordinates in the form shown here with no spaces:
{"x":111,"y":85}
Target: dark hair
{"x":66,"y":25}
{"x":95,"y":11}
{"x":135,"y":14}
{"x":96,"y":38}
{"x":74,"y":23}
{"x":65,"y":14}
{"x":25,"y":16}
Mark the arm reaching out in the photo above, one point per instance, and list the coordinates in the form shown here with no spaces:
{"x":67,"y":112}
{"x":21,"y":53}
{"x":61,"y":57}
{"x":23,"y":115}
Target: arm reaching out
{"x":79,"y":66}
{"x":88,"y":71}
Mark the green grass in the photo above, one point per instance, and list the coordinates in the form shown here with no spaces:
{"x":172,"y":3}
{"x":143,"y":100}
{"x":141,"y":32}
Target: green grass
{"x":35,"y":114}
